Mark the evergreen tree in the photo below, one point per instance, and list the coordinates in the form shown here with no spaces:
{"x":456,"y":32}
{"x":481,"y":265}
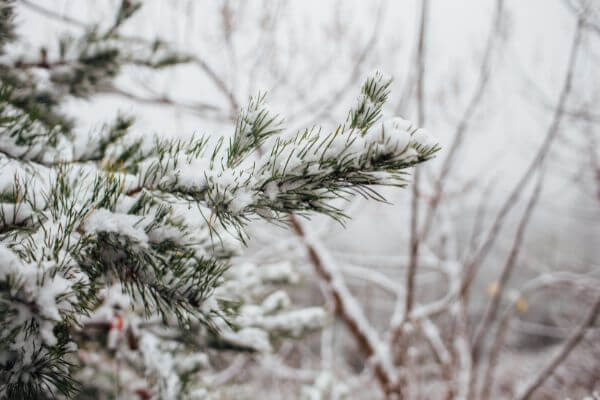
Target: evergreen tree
{"x":115,"y":251}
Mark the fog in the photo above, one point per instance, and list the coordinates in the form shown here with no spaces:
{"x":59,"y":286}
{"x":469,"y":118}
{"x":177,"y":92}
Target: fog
{"x":510,"y":204}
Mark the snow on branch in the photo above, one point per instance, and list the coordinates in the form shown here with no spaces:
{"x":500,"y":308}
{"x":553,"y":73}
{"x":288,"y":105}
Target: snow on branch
{"x":109,"y":239}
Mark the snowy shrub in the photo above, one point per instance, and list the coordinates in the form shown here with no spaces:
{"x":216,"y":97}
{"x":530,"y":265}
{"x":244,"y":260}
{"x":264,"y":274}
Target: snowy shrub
{"x":116,"y":273}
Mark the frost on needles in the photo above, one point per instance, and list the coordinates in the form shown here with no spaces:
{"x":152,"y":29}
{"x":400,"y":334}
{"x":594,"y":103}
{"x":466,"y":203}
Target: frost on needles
{"x":114,"y":248}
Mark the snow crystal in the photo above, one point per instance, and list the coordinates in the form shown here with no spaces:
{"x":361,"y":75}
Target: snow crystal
{"x":381,"y":352}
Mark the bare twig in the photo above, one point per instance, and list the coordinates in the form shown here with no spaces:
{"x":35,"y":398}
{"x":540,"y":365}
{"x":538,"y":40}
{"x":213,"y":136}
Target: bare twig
{"x":480,"y":214}
{"x":197,"y":60}
{"x":463,"y":125}
{"x":195,"y":107}
{"x":585,"y":11}
{"x":324,"y":105}
{"x":562,"y":354}
{"x":349,"y":311}
{"x":220,"y":83}
{"x":490,"y":314}
{"x":493,"y":358}
{"x":414,"y":220}
{"x":481,"y":254}
{"x":540,"y":283}
{"x":53,"y":14}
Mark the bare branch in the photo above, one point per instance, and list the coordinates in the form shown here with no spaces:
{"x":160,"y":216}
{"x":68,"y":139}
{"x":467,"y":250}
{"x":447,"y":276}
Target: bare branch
{"x":562,"y":354}
{"x":479,"y":257}
{"x":53,"y":14}
{"x":537,"y":284}
{"x":468,"y":114}
{"x":490,"y":313}
{"x":348,"y":309}
{"x":414,"y":220}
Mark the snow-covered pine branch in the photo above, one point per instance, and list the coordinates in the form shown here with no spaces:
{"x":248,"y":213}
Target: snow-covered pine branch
{"x":110,"y":250}
{"x":299,"y":172}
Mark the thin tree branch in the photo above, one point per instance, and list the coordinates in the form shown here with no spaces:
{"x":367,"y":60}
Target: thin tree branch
{"x":490,"y":314}
{"x":463,"y":125}
{"x":542,"y":282}
{"x":562,"y":354}
{"x":479,"y":257}
{"x":414,"y":220}
{"x":196,"y":107}
{"x":349,"y":311}
{"x":53,"y":14}
{"x":201,"y":63}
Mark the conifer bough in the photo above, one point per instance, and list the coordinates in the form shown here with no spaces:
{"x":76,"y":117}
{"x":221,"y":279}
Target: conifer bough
{"x":114,"y":251}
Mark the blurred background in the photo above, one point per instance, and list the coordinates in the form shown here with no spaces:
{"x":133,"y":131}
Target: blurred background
{"x":511,"y":91}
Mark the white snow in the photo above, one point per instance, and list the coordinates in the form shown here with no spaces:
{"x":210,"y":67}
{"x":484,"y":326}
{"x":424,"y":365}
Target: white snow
{"x":103,"y":220}
{"x":253,"y":338}
{"x":422,"y":137}
{"x":11,"y":213}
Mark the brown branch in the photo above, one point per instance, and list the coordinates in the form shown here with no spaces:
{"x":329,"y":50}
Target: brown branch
{"x":197,"y":107}
{"x":472,"y":267}
{"x":414,"y":220}
{"x":324,"y":105}
{"x":490,"y":314}
{"x":220,"y":83}
{"x":595,"y":162}
{"x":562,"y":354}
{"x":488,"y":378}
{"x":217,"y":80}
{"x":465,"y":120}
{"x":585,"y":11}
{"x":53,"y":14}
{"x":345,"y":312}
{"x":542,"y":282}
{"x":480,"y":214}
{"x":43,"y":63}
{"x":463,"y":125}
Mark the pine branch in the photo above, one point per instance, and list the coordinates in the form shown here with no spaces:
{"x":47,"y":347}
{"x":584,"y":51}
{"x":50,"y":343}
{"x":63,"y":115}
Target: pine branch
{"x":112,"y":245}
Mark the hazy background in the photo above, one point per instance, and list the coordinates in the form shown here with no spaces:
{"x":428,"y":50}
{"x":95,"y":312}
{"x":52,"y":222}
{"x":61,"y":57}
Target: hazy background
{"x":310,"y":56}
